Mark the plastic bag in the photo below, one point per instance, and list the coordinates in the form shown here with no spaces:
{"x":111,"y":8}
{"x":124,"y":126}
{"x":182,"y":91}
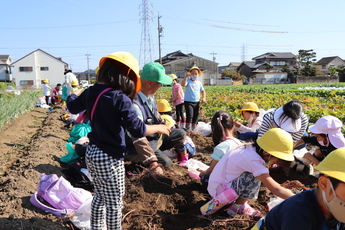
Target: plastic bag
{"x":81,"y":218}
{"x":193,"y":166}
{"x":204,"y":128}
{"x":79,"y":130}
{"x":71,"y":156}
{"x":273,"y":202}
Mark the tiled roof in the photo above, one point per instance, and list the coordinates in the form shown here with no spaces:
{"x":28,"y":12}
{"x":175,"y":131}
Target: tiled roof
{"x":273,"y":55}
{"x":326,"y":60}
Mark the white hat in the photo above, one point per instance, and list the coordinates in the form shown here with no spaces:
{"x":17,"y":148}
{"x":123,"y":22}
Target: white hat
{"x":332,"y":127}
{"x":286,"y":123}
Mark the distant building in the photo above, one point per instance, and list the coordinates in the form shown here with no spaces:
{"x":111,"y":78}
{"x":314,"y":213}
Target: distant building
{"x":179,"y":63}
{"x":36,"y":66}
{"x":5,"y":68}
{"x":326,"y":62}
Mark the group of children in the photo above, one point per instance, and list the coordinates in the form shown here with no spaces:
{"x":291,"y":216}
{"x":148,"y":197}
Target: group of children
{"x":239,"y":165}
{"x":55,"y":96}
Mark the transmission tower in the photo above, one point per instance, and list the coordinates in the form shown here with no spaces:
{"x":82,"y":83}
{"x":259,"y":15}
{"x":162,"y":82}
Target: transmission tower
{"x":243,"y":52}
{"x":146,"y":17}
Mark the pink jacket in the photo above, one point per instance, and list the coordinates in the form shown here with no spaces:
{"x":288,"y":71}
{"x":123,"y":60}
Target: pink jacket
{"x":177,"y":91}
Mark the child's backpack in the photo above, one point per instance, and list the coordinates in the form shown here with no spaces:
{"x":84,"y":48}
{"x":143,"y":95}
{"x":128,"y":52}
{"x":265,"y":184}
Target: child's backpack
{"x":78,"y":175}
{"x":57,"y":196}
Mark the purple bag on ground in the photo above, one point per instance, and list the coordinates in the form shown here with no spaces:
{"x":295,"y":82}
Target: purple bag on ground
{"x":63,"y":199}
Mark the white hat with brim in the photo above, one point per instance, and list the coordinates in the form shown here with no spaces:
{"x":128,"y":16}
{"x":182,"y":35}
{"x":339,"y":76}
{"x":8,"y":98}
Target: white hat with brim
{"x":286,"y":122}
{"x":332,"y":127}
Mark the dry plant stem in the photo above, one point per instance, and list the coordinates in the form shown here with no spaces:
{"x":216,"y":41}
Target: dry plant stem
{"x":123,"y":218}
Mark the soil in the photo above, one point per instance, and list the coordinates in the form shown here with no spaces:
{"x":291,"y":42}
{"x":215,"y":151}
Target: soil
{"x":34,"y":142}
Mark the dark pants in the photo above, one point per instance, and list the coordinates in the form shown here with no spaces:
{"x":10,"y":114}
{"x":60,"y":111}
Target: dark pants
{"x":192,"y":112}
{"x":179,"y":113}
{"x":177,"y":137}
{"x":47,"y":100}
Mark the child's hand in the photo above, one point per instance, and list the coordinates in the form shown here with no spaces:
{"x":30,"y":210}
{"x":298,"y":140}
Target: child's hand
{"x":237,"y":124}
{"x":163,"y":129}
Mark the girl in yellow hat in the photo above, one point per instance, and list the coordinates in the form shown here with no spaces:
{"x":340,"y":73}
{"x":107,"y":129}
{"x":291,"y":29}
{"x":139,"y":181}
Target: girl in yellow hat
{"x":250,"y":112}
{"x":238,"y":175}
{"x":109,"y":107}
{"x":46,"y":90}
{"x":322,"y":208}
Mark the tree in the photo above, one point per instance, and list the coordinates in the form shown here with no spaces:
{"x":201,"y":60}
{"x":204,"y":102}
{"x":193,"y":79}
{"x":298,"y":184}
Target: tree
{"x":233,"y":74}
{"x":269,"y":67}
{"x":305,"y":63}
{"x":333,"y":71}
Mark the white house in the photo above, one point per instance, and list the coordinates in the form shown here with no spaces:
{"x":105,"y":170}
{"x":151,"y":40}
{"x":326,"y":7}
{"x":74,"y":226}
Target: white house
{"x":5,"y":68}
{"x":38,"y":65}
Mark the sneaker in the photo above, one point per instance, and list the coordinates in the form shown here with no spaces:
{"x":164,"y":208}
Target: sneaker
{"x":245,"y":209}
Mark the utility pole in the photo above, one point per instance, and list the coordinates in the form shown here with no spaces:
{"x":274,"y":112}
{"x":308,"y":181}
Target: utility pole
{"x":160,"y":30}
{"x":88,"y":68}
{"x":215,"y":71}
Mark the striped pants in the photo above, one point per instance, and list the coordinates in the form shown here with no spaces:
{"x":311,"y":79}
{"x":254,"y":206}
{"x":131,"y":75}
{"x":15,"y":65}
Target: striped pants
{"x":108,"y":176}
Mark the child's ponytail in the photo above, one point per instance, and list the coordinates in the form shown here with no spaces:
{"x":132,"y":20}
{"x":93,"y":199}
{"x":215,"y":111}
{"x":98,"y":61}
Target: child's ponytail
{"x":220,"y":122}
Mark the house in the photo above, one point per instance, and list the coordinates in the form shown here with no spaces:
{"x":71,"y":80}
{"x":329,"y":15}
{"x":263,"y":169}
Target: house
{"x":86,"y":75}
{"x":179,"y":63}
{"x":268,"y":62}
{"x":5,"y":68}
{"x":36,"y":66}
{"x":326,"y":62}
{"x":276,"y":59}
{"x":233,"y":65}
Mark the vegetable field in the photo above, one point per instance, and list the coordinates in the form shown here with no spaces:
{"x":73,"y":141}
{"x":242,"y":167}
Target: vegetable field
{"x":13,"y":105}
{"x":323,"y":99}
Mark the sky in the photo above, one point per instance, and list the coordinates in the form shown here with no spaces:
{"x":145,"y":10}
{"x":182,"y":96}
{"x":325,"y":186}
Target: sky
{"x":81,"y":32}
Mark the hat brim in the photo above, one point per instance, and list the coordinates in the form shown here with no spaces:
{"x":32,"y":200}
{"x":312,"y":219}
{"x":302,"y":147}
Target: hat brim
{"x":165,"y":80}
{"x":280,"y":155}
{"x":337,"y":139}
{"x":132,"y":74}
{"x":286,"y":124}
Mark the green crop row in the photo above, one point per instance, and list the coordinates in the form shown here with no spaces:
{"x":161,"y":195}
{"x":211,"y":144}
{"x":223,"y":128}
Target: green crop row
{"x":13,"y":105}
{"x":316,"y":102}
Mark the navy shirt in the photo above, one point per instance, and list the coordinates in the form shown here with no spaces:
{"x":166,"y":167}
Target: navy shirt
{"x":325,"y":150}
{"x":299,"y":212}
{"x":114,"y":114}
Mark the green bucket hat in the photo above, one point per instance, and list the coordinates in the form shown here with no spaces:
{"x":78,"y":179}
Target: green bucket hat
{"x":154,"y":71}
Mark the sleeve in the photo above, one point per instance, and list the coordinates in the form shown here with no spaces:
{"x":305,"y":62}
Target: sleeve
{"x":218,"y":152}
{"x":132,"y":122}
{"x":201,"y":87}
{"x":75,"y":104}
{"x":266,"y":124}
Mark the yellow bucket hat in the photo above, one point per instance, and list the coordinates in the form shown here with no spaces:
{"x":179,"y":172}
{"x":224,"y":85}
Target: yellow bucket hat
{"x":197,"y":68}
{"x":173,"y":76}
{"x":163,"y":106}
{"x":278,"y":143}
{"x":169,"y":121}
{"x":250,"y":106}
{"x":334,"y":164}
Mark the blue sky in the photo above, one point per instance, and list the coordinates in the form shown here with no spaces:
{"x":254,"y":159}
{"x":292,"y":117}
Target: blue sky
{"x":233,"y":30}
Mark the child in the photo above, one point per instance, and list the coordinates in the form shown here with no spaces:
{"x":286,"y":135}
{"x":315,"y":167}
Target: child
{"x":192,"y":96}
{"x":313,"y":209}
{"x":56,"y":94}
{"x":75,"y":86}
{"x":113,"y":116}
{"x":250,"y":112}
{"x":222,"y":127}
{"x":288,"y":117}
{"x":46,"y":90}
{"x":238,"y":175}
{"x":188,"y":148}
{"x":326,"y":134}
{"x":177,"y":99}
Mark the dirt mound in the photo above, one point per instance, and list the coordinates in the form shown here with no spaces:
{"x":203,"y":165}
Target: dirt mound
{"x":34,"y":143}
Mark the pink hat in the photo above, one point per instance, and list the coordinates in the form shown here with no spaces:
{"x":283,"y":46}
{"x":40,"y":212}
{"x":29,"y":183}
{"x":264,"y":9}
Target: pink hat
{"x":332,"y":127}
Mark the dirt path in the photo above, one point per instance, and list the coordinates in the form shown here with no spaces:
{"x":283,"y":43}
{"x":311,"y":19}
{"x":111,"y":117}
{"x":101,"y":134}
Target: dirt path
{"x":33,"y":144}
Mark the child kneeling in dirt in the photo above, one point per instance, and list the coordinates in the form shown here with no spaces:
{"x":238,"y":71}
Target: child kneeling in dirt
{"x":222,"y":126}
{"x":326,"y":134}
{"x":322,"y":208}
{"x":184,"y":151}
{"x":238,"y":175}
